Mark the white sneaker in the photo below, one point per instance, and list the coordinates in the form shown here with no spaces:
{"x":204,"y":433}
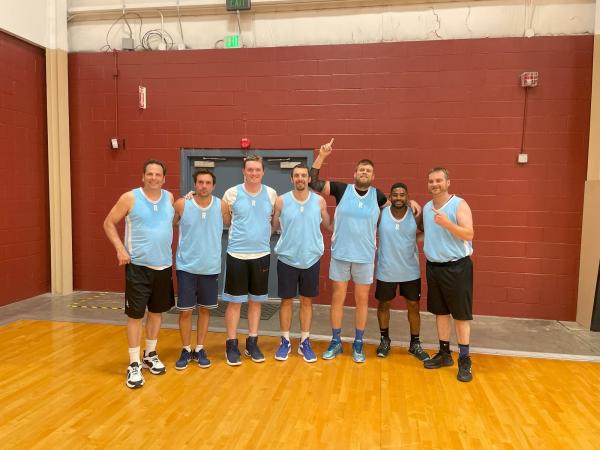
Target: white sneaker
{"x":153,"y":364}
{"x":135,"y":379}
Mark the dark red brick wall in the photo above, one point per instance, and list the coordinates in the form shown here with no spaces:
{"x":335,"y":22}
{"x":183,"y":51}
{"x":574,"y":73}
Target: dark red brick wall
{"x":24,"y":226}
{"x":407,"y":106}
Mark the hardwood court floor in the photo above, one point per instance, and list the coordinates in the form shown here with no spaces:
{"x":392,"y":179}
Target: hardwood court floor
{"x":62,"y":386}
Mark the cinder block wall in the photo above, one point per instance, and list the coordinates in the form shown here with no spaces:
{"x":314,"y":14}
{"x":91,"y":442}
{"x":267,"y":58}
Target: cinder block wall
{"x":24,"y":226}
{"x":407,"y":106}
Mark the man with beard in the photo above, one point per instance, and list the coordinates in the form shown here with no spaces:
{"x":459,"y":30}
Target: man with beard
{"x":147,"y":257}
{"x":448,"y":225}
{"x":198,"y":261}
{"x":352,"y":245}
{"x":299,"y":250}
{"x":248,"y":257}
{"x":398,"y":269}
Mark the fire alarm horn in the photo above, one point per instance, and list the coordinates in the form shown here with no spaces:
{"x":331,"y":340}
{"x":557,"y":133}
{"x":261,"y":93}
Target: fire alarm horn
{"x":245,"y":143}
{"x":529,"y":79}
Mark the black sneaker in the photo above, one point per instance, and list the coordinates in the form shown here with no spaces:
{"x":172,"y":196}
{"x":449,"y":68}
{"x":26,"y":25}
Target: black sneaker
{"x":232,"y":353}
{"x":441,"y":359}
{"x":417,"y":351}
{"x":252,"y":349}
{"x":464,"y":369}
{"x":384,"y":347}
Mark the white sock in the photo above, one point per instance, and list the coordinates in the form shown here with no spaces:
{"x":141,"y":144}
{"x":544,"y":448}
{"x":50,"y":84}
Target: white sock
{"x":253,"y":334}
{"x":199,"y":347}
{"x":304,"y":335}
{"x":286,"y":334}
{"x":187,"y":347}
{"x":134,"y":355}
{"x":150,"y":345}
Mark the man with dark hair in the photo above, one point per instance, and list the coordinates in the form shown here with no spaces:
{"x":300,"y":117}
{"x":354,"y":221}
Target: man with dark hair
{"x":147,"y":257}
{"x":299,"y":249}
{"x":352,"y":245}
{"x":398,"y":269}
{"x":198,"y":262}
{"x":448,"y":224}
{"x":248,"y":257}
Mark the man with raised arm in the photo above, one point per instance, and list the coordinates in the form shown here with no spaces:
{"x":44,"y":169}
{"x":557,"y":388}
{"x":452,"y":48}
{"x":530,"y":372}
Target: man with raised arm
{"x":147,"y":257}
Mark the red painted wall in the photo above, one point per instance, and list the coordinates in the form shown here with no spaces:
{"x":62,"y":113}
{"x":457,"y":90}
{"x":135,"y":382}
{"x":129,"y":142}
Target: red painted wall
{"x":24,"y":226}
{"x":407,"y":106}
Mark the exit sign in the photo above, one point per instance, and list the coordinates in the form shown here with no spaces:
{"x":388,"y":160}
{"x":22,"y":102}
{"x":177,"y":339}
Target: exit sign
{"x":232,"y":41}
{"x":237,"y":5}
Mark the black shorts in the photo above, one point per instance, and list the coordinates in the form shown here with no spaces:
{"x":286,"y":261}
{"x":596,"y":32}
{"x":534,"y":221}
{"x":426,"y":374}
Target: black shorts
{"x":450,"y":288}
{"x":246,"y":279}
{"x":148,"y":288}
{"x":292,"y":281}
{"x":196,"y":290}
{"x":410,"y":290}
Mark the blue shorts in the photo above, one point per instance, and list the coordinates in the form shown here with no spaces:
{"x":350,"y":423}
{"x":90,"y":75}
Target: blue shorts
{"x":291,"y":280}
{"x":196,"y":290}
{"x":360,"y":273}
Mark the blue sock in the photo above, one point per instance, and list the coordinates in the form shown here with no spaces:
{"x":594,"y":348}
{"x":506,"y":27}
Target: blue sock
{"x":336,"y":333}
{"x":358,"y":336}
{"x":463,"y":350}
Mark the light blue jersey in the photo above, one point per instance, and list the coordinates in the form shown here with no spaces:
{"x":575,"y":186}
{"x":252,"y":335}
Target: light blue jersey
{"x":200,"y":232}
{"x":355,"y":226}
{"x":398,"y":255}
{"x":149,"y":230}
{"x":250,"y":230}
{"x":301,"y":242}
{"x":441,"y":245}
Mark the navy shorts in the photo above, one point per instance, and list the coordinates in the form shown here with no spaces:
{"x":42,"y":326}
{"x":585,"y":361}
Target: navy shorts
{"x":450,"y":288}
{"x":147,"y":288}
{"x":292,"y":281}
{"x":410,"y":290}
{"x":196,"y":290}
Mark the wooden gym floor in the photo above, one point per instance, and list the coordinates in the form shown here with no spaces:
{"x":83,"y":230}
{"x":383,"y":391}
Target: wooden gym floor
{"x":62,"y":386}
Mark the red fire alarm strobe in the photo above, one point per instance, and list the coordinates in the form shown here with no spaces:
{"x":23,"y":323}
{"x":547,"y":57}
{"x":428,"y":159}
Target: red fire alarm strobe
{"x":529,"y":79}
{"x":245,"y":143}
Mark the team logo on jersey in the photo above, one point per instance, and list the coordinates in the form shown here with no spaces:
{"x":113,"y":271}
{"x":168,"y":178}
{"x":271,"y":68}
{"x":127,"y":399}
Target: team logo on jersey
{"x":360,"y":204}
{"x":155,"y":207}
{"x":253,"y":202}
{"x":302,"y":209}
{"x":397,"y":226}
{"x":203,"y":215}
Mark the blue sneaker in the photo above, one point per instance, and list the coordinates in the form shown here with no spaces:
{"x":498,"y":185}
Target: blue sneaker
{"x":232,"y":353}
{"x":358,"y":353}
{"x":202,"y":359}
{"x":184,"y":359}
{"x":306,"y":351}
{"x":334,"y":349}
{"x":284,"y":350}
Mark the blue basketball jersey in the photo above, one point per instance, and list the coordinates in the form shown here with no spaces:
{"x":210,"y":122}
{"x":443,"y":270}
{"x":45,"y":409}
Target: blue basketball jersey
{"x":397,"y":255}
{"x":441,"y":245}
{"x":200,"y":233}
{"x":301,"y":242}
{"x":149,"y":230}
{"x":250,"y":230}
{"x":355,"y":226}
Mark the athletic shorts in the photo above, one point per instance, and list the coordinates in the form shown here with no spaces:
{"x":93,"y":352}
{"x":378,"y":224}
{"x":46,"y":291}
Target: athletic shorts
{"x":450,"y":288}
{"x":360,"y":273}
{"x":410,"y":290}
{"x":246,"y":279}
{"x":147,"y":288}
{"x":196,"y":290}
{"x":292,"y":281}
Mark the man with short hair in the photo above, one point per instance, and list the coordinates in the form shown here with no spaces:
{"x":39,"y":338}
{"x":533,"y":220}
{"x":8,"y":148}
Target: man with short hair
{"x":448,"y":225}
{"x":248,"y":257}
{"x":299,"y":249}
{"x":198,"y":262}
{"x":352,"y":245}
{"x":398,"y":269}
{"x":147,"y":257}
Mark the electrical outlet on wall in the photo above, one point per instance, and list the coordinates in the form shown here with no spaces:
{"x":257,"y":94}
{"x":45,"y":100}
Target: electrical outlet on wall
{"x":522,"y":158}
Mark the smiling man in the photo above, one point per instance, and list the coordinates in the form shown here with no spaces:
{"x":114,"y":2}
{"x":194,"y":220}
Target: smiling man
{"x":147,"y":257}
{"x":448,"y":225}
{"x":248,"y":257}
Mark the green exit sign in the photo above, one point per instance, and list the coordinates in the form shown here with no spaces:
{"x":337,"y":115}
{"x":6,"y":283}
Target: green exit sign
{"x":232,"y":41}
{"x":237,"y":5}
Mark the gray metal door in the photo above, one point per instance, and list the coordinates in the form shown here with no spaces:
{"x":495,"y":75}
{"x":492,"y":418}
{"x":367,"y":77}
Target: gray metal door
{"x":227,"y":167}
